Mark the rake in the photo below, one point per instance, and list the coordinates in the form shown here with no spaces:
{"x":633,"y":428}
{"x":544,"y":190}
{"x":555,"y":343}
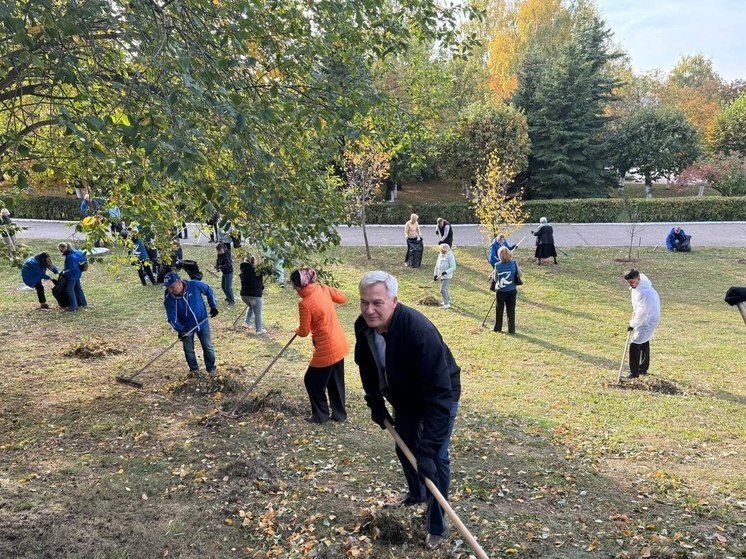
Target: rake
{"x":233,"y":412}
{"x":240,"y":315}
{"x":463,"y":530}
{"x":136,"y":383}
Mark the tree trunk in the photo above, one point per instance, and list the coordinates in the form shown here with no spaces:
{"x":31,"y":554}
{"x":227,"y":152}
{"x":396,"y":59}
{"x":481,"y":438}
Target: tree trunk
{"x":648,"y":187}
{"x":365,"y":233}
{"x":621,"y":183}
{"x":701,"y":189}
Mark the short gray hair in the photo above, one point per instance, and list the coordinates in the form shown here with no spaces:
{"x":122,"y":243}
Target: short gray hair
{"x":379,"y":276}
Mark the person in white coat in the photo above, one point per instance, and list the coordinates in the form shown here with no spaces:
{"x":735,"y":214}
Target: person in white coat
{"x":444,"y":268}
{"x":646,"y":314}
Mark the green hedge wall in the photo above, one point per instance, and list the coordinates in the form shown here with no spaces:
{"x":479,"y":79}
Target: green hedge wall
{"x":589,"y":210}
{"x":592,"y":210}
{"x":45,"y":207}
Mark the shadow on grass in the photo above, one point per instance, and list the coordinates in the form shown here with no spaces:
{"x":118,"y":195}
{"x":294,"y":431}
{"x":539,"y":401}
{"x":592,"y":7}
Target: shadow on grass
{"x":570,"y":352}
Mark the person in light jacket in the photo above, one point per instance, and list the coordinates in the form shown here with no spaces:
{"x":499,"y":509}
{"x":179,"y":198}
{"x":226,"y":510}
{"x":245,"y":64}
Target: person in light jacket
{"x":646,"y":314}
{"x":444,"y":268}
{"x":325,"y":373}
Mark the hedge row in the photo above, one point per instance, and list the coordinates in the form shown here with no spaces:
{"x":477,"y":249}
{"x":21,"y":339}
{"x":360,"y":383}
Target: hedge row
{"x":589,"y":210}
{"x":45,"y":207}
{"x":607,"y":210}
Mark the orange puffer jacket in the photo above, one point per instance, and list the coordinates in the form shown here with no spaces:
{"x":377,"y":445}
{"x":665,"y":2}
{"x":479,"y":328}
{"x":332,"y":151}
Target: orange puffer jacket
{"x":319,"y":318}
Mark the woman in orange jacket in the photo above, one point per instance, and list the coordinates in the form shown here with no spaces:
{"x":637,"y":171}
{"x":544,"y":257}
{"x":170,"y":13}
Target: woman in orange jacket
{"x":325,"y":374}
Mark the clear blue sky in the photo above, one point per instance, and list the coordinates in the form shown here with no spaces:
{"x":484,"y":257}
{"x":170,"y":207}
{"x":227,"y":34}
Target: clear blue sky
{"x":655,"y":33}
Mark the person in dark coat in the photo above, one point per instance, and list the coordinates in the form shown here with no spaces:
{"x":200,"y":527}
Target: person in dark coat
{"x":224,"y":263}
{"x":75,"y":261}
{"x":34,"y":271}
{"x":544,"y":242}
{"x":187,"y":314}
{"x":506,"y":272}
{"x":403,"y":359}
{"x":444,"y":232}
{"x":252,"y":289}
{"x":144,"y":267}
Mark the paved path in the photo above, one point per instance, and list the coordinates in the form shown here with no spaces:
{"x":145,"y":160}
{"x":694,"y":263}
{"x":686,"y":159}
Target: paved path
{"x":566,"y":235}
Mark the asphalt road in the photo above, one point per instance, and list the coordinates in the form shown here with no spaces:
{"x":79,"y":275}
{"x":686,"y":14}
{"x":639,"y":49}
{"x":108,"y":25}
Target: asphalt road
{"x":566,"y":235}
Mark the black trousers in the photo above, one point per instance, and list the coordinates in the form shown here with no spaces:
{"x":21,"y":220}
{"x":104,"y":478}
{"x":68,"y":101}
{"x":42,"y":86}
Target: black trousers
{"x":505,"y":299}
{"x":322,"y":380}
{"x":639,"y":358}
{"x":145,"y":269}
{"x":40,"y":292}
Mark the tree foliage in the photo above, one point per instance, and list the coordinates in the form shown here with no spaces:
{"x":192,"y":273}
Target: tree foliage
{"x":728,"y":132}
{"x":231,"y":105}
{"x":481,"y":133}
{"x":657,"y":142}
{"x":498,"y":209}
{"x":565,"y":101}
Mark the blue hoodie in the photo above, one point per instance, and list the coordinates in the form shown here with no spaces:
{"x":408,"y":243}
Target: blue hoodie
{"x":494,"y":247}
{"x":33,"y":271}
{"x":187,"y":310}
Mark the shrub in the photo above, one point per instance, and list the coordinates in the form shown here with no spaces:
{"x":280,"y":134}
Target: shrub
{"x":44,"y":207}
{"x":593,"y":210}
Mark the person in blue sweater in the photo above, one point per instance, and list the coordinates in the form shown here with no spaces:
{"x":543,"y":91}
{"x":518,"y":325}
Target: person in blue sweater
{"x":506,"y":271}
{"x":678,"y":241}
{"x":499,"y":241}
{"x":75,"y":262}
{"x":187,"y":314}
{"x":34,"y":271}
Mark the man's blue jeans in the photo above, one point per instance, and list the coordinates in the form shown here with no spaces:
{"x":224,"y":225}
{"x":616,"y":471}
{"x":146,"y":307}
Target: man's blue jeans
{"x":207,"y":349}
{"x":411,"y":431}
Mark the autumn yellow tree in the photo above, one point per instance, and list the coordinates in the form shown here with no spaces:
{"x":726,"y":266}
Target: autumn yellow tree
{"x":366,"y":167}
{"x":498,"y":209}
{"x":539,"y":26}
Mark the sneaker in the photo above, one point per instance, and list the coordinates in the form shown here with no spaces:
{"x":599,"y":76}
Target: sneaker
{"x":446,"y":306}
{"x":261,"y":332}
{"x":432,"y":541}
{"x":407,"y":500}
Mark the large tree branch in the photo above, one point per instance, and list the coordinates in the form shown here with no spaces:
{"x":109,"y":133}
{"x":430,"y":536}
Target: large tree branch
{"x":26,"y":131}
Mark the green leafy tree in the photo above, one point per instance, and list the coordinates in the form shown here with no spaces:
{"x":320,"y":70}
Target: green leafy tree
{"x":186,"y":107}
{"x":565,"y":101}
{"x":481,"y":132}
{"x":657,"y":142}
{"x":728,"y":133}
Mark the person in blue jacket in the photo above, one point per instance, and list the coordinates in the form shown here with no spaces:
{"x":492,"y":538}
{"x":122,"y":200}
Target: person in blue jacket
{"x":499,"y":241}
{"x":143,"y":265}
{"x":34,"y":270}
{"x":75,"y":262}
{"x":88,"y":206}
{"x":187,"y":314}
{"x":678,"y":241}
{"x":506,"y":271}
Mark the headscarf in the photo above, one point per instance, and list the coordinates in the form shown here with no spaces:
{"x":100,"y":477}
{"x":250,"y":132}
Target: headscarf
{"x":306,"y":276}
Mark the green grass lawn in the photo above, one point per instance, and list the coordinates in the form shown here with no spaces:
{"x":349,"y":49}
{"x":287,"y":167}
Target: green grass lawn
{"x":550,"y":458}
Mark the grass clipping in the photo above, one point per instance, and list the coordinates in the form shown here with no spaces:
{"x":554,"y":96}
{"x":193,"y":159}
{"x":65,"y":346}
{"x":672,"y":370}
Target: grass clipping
{"x":95,"y":348}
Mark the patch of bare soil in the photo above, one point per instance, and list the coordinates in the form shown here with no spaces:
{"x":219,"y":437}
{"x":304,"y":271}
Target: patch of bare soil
{"x":385,"y":527}
{"x":93,"y":349}
{"x":204,"y":383}
{"x":429,"y":301}
{"x":741,"y":260}
{"x":658,"y":385}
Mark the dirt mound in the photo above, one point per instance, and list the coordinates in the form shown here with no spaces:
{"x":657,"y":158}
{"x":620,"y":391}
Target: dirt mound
{"x":204,"y":383}
{"x":658,"y":385}
{"x":384,"y":527}
{"x":272,"y":400}
{"x":93,"y":349}
{"x":429,"y":301}
{"x":249,"y":469}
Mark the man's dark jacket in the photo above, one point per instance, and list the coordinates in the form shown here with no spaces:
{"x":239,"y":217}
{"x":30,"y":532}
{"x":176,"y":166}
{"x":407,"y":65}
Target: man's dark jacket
{"x":423,"y":377}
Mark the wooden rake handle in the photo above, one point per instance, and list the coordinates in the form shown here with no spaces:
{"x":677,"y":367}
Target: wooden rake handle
{"x":463,"y":530}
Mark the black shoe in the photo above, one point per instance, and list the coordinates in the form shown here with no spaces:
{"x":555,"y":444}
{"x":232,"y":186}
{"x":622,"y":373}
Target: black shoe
{"x":643,"y":372}
{"x":496,"y":329}
{"x":44,"y":306}
{"x":407,"y":501}
{"x":313,"y":419}
{"x":432,"y":541}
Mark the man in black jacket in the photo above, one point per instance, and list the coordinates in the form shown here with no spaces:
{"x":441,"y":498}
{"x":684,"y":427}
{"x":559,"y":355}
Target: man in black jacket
{"x":403,"y":358}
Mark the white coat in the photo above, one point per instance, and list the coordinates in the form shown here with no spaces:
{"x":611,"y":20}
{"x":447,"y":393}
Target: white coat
{"x":646,"y":310}
{"x":445,"y":263}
